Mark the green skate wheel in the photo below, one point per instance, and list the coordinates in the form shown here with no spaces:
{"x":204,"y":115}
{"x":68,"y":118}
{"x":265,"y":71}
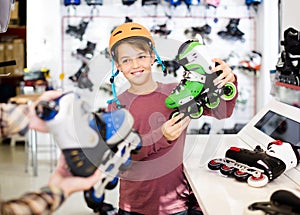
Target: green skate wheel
{"x":229,"y":91}
{"x":174,"y":114}
{"x":212,"y":101}
{"x":197,"y":114}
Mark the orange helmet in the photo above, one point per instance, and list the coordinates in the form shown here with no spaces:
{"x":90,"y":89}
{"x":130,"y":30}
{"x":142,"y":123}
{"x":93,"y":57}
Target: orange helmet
{"x":126,"y":30}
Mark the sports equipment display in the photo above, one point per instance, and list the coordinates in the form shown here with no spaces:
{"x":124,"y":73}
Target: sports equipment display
{"x":251,"y":64}
{"x":282,"y":202}
{"x":232,"y":31}
{"x":197,"y":90}
{"x":288,"y":65}
{"x":87,"y":53}
{"x":91,"y":140}
{"x":257,"y":167}
{"x":81,"y":77}
{"x":77,"y":31}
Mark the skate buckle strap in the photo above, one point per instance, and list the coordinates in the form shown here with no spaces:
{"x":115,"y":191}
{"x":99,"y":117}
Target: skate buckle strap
{"x":194,"y":76}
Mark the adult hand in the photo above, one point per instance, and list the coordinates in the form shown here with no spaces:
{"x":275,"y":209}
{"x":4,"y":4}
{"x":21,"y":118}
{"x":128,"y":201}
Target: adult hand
{"x":227,"y":74}
{"x":62,"y":178}
{"x":173,"y":128}
{"x":34,"y":121}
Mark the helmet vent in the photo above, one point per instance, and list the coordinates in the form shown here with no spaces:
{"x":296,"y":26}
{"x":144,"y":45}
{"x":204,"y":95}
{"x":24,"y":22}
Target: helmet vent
{"x":136,"y":28}
{"x":119,"y":32}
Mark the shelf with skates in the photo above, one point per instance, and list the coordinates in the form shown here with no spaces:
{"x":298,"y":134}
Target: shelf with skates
{"x":291,"y":86}
{"x":277,"y":120}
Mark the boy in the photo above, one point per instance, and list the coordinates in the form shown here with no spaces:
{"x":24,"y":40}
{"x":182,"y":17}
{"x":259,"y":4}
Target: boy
{"x":155,"y":183}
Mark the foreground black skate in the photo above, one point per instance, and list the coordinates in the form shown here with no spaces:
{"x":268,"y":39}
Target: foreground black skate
{"x":91,"y":140}
{"x":282,"y":202}
{"x":197,"y":90}
{"x":257,"y":167}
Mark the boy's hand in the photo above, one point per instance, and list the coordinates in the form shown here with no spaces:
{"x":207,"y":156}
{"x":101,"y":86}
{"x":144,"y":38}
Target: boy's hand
{"x":173,"y":128}
{"x":226,"y":76}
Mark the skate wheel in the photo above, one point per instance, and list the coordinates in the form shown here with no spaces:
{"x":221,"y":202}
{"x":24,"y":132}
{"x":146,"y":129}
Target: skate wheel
{"x":214,"y":165}
{"x":258,"y":182}
{"x":212,"y":101}
{"x":112,"y":184}
{"x":241,"y":176}
{"x":137,"y":149}
{"x":226,"y":170}
{"x":198,"y":114}
{"x":92,"y":200}
{"x":229,"y":91}
{"x":174,"y":114}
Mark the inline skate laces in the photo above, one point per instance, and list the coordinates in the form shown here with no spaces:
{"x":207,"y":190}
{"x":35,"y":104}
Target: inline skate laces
{"x":180,"y":86}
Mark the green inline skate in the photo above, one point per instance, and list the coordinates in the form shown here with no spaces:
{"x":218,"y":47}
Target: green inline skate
{"x":196,"y":90}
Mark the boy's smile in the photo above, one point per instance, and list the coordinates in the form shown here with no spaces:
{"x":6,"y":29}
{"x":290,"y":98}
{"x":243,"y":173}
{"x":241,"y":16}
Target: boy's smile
{"x":135,"y":64}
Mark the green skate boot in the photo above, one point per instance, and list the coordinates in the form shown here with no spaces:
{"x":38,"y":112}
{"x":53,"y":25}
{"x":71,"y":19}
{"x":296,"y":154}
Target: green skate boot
{"x":196,"y":89}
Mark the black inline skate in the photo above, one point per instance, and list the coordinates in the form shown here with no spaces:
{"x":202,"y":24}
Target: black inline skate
{"x":81,"y":78}
{"x":257,"y":167}
{"x":77,"y":31}
{"x":91,"y":140}
{"x":288,"y":65}
{"x":232,"y":31}
{"x":87,"y":53}
{"x":197,"y":89}
{"x":282,"y":202}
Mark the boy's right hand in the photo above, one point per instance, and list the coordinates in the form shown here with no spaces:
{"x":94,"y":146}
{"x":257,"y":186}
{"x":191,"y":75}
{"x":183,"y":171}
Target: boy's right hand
{"x":173,"y":128}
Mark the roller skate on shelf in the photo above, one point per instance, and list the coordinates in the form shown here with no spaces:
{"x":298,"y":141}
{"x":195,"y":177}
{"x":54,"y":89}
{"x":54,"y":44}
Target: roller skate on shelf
{"x":77,"y":31}
{"x":196,"y":90}
{"x":288,"y":65}
{"x":251,"y":64}
{"x":282,"y":202}
{"x":257,"y":167}
{"x":85,"y":54}
{"x":91,"y":140}
{"x":232,"y":31}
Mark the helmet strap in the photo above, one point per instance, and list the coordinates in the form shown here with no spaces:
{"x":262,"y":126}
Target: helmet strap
{"x":113,"y":87}
{"x":164,"y":69}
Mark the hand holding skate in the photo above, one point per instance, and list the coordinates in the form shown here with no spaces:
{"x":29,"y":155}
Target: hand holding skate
{"x":91,"y":140}
{"x":197,"y":88}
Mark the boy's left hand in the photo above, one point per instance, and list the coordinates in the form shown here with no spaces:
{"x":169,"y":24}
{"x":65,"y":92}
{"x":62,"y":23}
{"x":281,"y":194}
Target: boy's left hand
{"x":226,"y":76}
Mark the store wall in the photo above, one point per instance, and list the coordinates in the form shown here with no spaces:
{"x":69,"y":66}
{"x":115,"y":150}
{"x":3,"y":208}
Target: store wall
{"x":47,"y":43}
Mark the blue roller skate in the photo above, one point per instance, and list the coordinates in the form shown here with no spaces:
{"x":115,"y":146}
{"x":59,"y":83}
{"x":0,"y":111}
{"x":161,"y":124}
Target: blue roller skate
{"x":196,"y":90}
{"x":91,"y":140}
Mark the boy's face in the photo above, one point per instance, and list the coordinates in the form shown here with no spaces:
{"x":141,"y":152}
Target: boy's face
{"x":135,"y":64}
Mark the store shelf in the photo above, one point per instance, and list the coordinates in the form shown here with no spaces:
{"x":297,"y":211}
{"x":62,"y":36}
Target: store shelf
{"x":294,"y":87}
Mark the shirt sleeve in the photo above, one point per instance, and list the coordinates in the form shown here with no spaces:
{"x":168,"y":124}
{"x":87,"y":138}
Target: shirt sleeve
{"x":13,"y":119}
{"x":42,"y":202}
{"x":152,"y":143}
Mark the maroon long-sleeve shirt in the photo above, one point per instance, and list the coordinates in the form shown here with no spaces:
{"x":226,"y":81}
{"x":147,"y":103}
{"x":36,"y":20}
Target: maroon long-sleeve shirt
{"x":155,"y":182}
